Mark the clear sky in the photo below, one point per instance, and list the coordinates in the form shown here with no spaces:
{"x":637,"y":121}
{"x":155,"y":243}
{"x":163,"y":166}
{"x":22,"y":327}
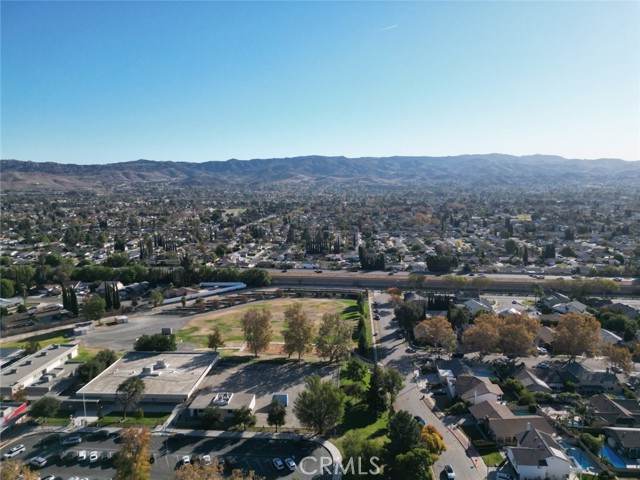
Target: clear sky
{"x":96,"y":82}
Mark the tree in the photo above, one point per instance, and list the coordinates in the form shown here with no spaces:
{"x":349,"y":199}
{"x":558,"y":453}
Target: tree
{"x":408,"y":315}
{"x":156,"y":298}
{"x":413,"y":465}
{"x":31,"y":347}
{"x":433,"y":441}
{"x":94,"y":367}
{"x":7,"y":288}
{"x":437,"y":331}
{"x":16,"y":470}
{"x":417,"y":280}
{"x":320,"y":405}
{"x":46,"y":406}
{"x":73,"y":301}
{"x":537,"y":291}
{"x":618,"y":356}
{"x":484,"y":335}
{"x":576,"y":335}
{"x":359,"y":450}
{"x":215,"y":340}
{"x":277,"y":414}
{"x":129,"y":392}
{"x":244,"y":416}
{"x":213,"y":416}
{"x":94,"y":308}
{"x":334,"y":338}
{"x":517,"y":333}
{"x":256,"y":326}
{"x":215,"y":471}
{"x":393,"y":382}
{"x":132,"y":462}
{"x":355,"y":370}
{"x":298,"y":331}
{"x":404,"y":433}
{"x":377,"y":397}
{"x":158,"y":342}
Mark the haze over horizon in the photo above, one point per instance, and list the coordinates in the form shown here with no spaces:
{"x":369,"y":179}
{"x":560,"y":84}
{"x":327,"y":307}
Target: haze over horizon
{"x":107,"y":82}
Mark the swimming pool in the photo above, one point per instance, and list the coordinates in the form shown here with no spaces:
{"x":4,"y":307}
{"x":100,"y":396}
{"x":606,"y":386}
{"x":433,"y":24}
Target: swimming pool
{"x":579,"y":456}
{"x":607,"y":452}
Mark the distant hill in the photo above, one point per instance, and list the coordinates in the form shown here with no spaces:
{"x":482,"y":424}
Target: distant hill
{"x":490,"y":170}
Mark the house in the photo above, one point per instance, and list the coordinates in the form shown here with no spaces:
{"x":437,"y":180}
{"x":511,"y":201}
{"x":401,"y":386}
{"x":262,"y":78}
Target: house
{"x":483,"y":411}
{"x":608,"y":337}
{"x":615,"y":413}
{"x":476,"y":389}
{"x":475,"y":306}
{"x":625,"y":440}
{"x":553,"y":299}
{"x":531,"y":381}
{"x":505,"y":431}
{"x":588,"y":381}
{"x":118,"y":286}
{"x":538,"y":456}
{"x":570,"y":307}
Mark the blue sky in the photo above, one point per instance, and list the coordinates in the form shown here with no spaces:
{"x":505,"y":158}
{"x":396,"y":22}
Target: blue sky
{"x":96,"y":82}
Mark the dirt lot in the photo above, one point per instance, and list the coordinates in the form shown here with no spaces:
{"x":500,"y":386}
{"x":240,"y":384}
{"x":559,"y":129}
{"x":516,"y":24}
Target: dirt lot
{"x":229,"y":319}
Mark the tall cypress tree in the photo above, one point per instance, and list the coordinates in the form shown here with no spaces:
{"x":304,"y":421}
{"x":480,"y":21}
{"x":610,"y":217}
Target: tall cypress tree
{"x":73,"y":301}
{"x":107,"y":297}
{"x":65,"y":298}
{"x":116,"y":298}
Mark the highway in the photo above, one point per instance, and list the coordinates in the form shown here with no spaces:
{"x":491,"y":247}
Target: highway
{"x":498,"y":283}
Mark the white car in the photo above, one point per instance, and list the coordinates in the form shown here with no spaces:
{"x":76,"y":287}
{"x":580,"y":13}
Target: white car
{"x":206,"y":459}
{"x":290,"y":464}
{"x":186,"y":460}
{"x":449,"y":471}
{"x":93,"y":456}
{"x":15,"y":451}
{"x":542,"y":351}
{"x":82,"y":455}
{"x":38,"y":462}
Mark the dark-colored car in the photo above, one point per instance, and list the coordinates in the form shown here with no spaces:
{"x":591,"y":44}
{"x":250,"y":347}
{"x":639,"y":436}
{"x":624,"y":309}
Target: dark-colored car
{"x":420,"y":420}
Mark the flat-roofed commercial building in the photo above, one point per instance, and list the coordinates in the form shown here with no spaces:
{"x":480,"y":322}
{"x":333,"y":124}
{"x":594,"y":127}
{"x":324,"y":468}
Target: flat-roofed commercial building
{"x":41,"y":366}
{"x":169,"y":377}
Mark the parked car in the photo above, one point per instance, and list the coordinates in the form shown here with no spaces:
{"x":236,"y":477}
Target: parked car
{"x":290,"y":463}
{"x":318,"y":271}
{"x":106,"y":456}
{"x":449,"y":471}
{"x":542,"y":351}
{"x":72,"y":440}
{"x":279,"y":464}
{"x":49,"y":477}
{"x":186,"y":460}
{"x":18,"y":449}
{"x":420,"y":420}
{"x":93,"y":456}
{"x":206,"y":459}
{"x":504,"y":476}
{"x":82,"y":455}
{"x":543,"y":365}
{"x":38,"y":462}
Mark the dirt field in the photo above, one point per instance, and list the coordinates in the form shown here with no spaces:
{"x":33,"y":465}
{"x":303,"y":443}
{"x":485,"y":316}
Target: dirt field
{"x":229,"y":319}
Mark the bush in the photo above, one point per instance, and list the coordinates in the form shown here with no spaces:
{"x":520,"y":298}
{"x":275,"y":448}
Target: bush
{"x":594,"y":444}
{"x":457,"y":409}
{"x":354,"y":390}
{"x":567,"y":397}
{"x":138,"y":414}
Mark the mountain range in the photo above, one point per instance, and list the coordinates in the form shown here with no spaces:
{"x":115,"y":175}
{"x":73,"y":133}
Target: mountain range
{"x":485,"y":170}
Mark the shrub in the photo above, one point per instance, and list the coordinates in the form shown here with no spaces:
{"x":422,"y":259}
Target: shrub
{"x":594,"y":444}
{"x":457,"y":409}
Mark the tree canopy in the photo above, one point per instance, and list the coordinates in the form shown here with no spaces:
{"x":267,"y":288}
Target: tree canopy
{"x":298,"y":332}
{"x":129,"y":392}
{"x":158,"y":342}
{"x":320,"y":405}
{"x":576,"y":335}
{"x":256,"y":326}
{"x":132,"y":462}
{"x":334,"y":338}
{"x":437,"y":332}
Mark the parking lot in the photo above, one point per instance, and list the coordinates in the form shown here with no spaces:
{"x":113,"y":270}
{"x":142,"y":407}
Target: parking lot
{"x":167,"y":453}
{"x":264,"y":380}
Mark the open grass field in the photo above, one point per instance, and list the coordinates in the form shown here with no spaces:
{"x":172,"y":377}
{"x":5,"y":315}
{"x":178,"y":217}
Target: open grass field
{"x":229,"y":319}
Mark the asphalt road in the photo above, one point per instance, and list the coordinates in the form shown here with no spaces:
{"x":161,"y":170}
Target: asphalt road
{"x":393,"y":352}
{"x":247,"y":454}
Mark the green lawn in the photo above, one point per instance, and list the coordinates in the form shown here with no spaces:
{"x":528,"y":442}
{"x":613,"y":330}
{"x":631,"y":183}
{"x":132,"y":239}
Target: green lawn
{"x":150,"y":420}
{"x":493,"y":459}
{"x":61,"y":336}
{"x":190,"y":335}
